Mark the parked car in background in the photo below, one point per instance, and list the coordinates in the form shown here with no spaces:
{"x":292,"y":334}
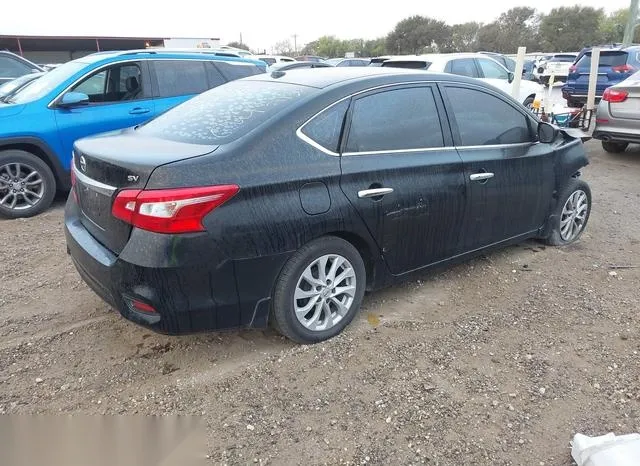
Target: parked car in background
{"x":13,"y":66}
{"x":558,"y":65}
{"x":101,"y":92}
{"x":310,"y":58}
{"x":615,"y":65}
{"x":378,"y":61}
{"x":528,"y":70}
{"x":298,"y":65}
{"x":12,"y":87}
{"x":348,"y":61}
{"x":473,"y":65}
{"x":50,"y":66}
{"x":273,"y":59}
{"x":618,"y":115}
{"x":507,"y":62}
{"x":167,"y":225}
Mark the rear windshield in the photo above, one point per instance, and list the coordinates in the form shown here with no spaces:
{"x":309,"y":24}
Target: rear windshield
{"x":606,"y":59}
{"x":562,"y":59}
{"x":411,"y":64}
{"x":224,"y":113}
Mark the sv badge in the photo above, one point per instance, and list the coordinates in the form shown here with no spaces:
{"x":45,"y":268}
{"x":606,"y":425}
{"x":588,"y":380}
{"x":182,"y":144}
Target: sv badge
{"x":133,"y":178}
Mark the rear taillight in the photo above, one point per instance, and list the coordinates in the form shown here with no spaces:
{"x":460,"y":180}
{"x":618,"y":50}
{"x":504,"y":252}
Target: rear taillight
{"x":614,"y":95}
{"x":623,"y":68}
{"x":179,"y":210}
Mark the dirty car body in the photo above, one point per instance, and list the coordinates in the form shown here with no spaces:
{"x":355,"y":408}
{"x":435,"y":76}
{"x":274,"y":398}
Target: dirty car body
{"x":393,"y":162}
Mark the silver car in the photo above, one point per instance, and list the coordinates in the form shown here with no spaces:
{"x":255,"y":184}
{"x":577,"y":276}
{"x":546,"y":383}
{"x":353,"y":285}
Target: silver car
{"x":618,"y":115}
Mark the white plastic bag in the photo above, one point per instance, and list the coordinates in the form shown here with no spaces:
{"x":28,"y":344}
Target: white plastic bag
{"x":606,"y":450}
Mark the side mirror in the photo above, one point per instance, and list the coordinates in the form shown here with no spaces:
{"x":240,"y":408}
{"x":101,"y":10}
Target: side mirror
{"x":546,"y":133}
{"x":511,"y":77}
{"x":73,"y":99}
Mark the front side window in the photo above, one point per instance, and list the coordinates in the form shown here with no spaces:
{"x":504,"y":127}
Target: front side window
{"x":114,"y":84}
{"x":398,"y":119}
{"x":483,"y":119}
{"x":462,"y":67}
{"x":326,"y":127}
{"x":492,"y":70}
{"x":11,"y":68}
{"x":180,"y":77}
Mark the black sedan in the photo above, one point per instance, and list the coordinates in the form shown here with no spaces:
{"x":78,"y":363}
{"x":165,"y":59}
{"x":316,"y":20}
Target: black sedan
{"x":281,"y":198}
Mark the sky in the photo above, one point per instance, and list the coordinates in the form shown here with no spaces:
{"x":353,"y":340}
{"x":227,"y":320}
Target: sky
{"x":262,"y":23}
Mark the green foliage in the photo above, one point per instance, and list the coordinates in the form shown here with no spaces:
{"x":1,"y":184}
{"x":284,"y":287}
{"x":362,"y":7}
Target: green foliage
{"x":515,"y":28}
{"x":568,"y":29}
{"x":414,"y":34}
{"x":612,"y":27}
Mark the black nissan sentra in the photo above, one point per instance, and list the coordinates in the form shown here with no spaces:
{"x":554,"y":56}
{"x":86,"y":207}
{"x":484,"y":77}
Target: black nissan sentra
{"x":281,"y":198}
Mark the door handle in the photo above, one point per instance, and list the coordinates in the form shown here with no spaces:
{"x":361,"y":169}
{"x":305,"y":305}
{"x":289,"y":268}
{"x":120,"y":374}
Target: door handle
{"x":481,"y":176}
{"x":139,"y":111}
{"x":374,"y":192}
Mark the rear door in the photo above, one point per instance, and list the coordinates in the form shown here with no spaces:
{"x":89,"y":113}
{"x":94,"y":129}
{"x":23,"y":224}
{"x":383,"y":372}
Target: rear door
{"x":119,"y":97}
{"x":403,"y":176}
{"x":510,"y":176}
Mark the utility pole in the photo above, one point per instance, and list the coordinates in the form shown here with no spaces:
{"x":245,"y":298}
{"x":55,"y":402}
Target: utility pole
{"x":243,"y":42}
{"x":295,"y":42}
{"x":632,"y":22}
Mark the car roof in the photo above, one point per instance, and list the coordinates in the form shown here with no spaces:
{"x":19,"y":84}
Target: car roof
{"x":324,"y":77}
{"x":211,"y":54}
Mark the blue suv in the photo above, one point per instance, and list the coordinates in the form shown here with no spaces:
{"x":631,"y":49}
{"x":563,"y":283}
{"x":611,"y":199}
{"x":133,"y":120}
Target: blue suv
{"x":615,"y":65}
{"x":98,"y":93}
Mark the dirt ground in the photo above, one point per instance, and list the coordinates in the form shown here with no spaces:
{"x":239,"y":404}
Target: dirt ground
{"x":496,"y":361}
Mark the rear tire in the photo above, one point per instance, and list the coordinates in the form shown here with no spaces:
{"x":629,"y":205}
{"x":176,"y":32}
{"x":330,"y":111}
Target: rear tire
{"x":27,"y":184}
{"x":571,"y":214}
{"x":319,"y":290}
{"x":614,"y":147}
{"x":528,"y":102}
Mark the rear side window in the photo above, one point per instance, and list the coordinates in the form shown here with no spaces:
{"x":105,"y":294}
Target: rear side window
{"x":484,"y":119}
{"x":224,"y":113}
{"x":398,"y":119}
{"x":410,"y":64}
{"x":237,"y":70}
{"x":326,"y":127}
{"x":180,"y":77}
{"x":607,"y":59}
{"x":462,"y":67}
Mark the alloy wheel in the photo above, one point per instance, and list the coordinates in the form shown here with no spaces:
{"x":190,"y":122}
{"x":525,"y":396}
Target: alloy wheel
{"x":325,"y":292}
{"x":21,"y":186}
{"x":574,"y":214}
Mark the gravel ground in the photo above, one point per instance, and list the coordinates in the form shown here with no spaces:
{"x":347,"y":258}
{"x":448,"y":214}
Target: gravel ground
{"x":496,"y":361}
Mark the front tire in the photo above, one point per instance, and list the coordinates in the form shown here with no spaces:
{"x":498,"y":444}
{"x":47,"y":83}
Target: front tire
{"x":572,"y":213}
{"x":319,"y":290}
{"x":614,"y":147}
{"x":27,"y":184}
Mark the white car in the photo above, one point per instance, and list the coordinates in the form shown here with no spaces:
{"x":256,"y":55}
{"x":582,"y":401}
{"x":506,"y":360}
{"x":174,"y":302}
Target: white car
{"x":473,"y":65}
{"x":273,"y":59}
{"x":558,"y":66}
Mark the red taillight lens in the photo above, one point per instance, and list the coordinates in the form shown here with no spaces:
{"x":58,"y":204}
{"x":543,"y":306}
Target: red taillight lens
{"x":178,"y":210}
{"x":614,"y":95}
{"x":142,"y":307}
{"x":623,"y":68}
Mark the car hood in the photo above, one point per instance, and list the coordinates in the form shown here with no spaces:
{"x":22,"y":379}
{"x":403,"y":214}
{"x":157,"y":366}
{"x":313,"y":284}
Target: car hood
{"x":7,"y":110}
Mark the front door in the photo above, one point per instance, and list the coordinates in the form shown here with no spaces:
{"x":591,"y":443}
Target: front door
{"x":403,"y":176}
{"x":510,"y":175}
{"x":119,"y":97}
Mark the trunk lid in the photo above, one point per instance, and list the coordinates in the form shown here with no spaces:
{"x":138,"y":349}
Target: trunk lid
{"x":105,"y":164}
{"x":630,"y":108}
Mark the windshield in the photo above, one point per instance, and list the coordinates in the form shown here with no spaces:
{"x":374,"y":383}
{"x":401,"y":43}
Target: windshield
{"x":225,"y":113}
{"x":49,"y":81}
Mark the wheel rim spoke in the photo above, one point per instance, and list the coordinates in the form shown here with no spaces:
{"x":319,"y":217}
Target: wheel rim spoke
{"x":325,"y":292}
{"x":574,"y":214}
{"x":21,"y":186}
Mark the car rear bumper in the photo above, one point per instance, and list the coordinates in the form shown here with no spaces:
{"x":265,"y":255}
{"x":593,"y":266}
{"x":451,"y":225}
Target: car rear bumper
{"x":606,"y":135}
{"x":187,"y":297}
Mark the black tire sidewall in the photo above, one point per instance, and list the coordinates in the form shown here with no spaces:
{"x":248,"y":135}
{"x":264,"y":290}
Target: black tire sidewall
{"x":283,"y":311}
{"x":614,"y":147}
{"x":49,"y":181}
{"x":575,"y":184}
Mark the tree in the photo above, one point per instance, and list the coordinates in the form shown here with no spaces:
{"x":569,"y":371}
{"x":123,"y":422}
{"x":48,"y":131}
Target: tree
{"x":284,"y":47}
{"x":238,"y":45}
{"x":374,"y":48}
{"x":612,"y":27}
{"x":414,"y":34}
{"x":517,"y":27}
{"x":569,"y":29}
{"x":464,"y":37}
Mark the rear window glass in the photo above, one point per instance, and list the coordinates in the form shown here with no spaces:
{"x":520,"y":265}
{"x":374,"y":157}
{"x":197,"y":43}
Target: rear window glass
{"x":411,"y":64}
{"x":224,"y":113}
{"x":606,"y":59}
{"x":563,"y":59}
